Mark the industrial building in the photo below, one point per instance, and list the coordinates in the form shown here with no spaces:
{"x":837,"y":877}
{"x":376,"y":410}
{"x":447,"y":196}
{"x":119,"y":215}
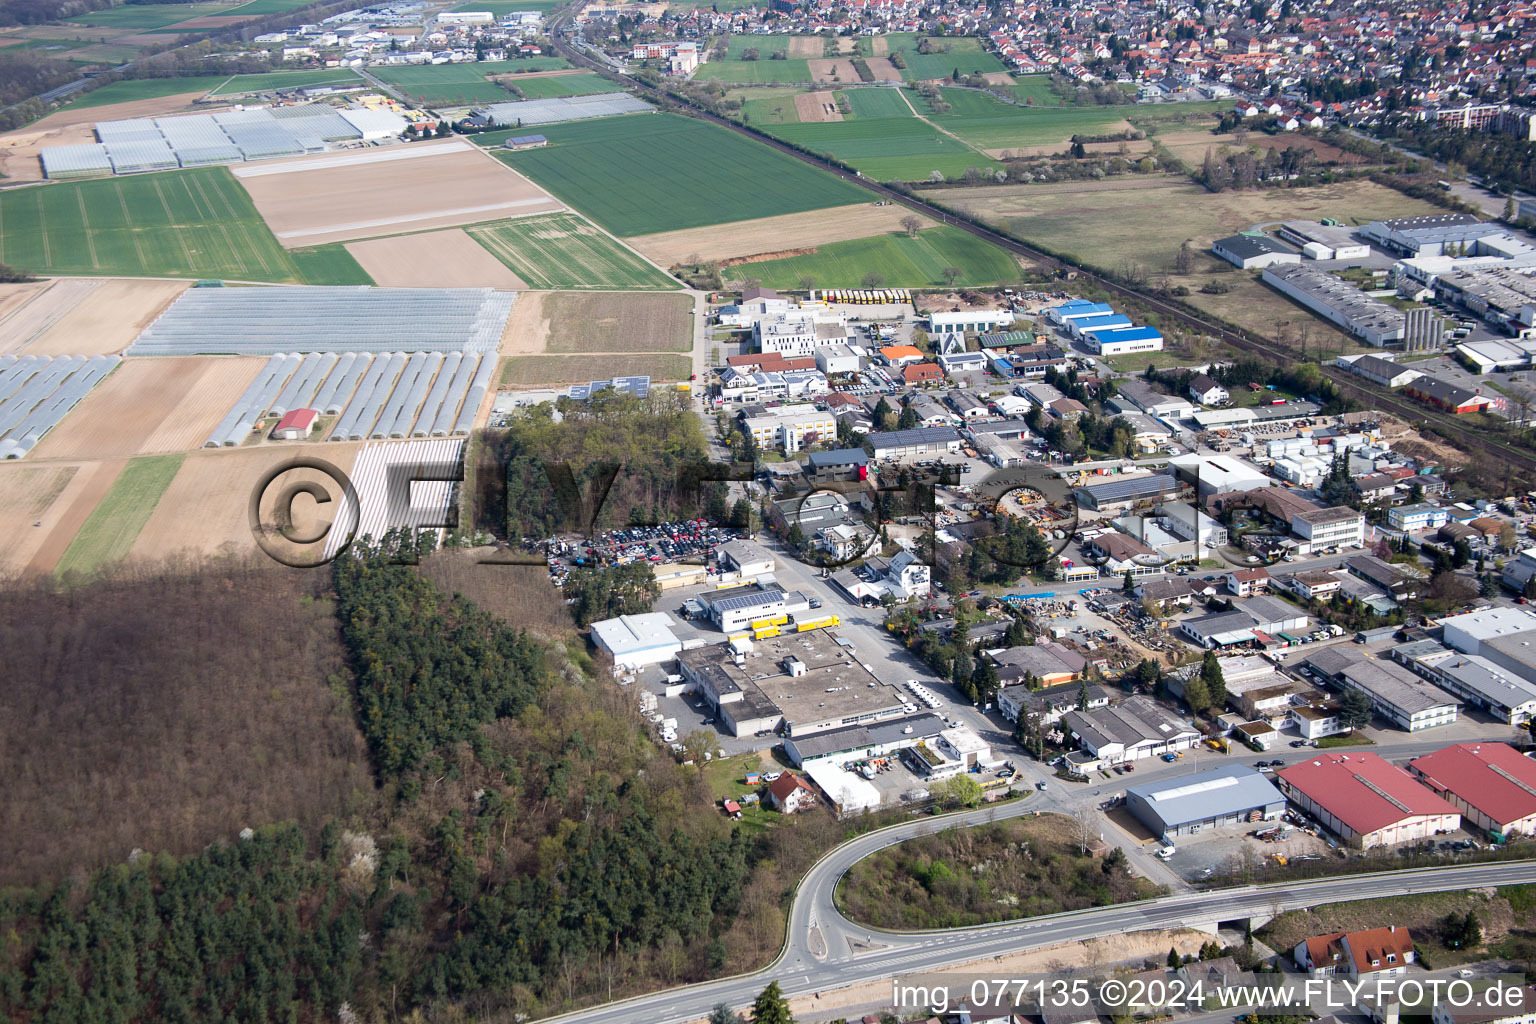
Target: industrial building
{"x":1378,"y":370}
{"x":1493,"y":785}
{"x":1233,"y":794}
{"x":1125,"y":491}
{"x":791,"y":428}
{"x":1433,"y":235}
{"x":1319,"y":241}
{"x":1366,"y":318}
{"x":1396,"y":694}
{"x":806,"y":683}
{"x":1135,"y":728}
{"x":528,"y":113}
{"x":1366,"y":801}
{"x":900,"y":444}
{"x":634,"y":641}
{"x":1253,"y":251}
{"x":856,"y":741}
{"x":736,"y":608}
{"x":1444,"y":395}
{"x":1077,"y":309}
{"x":1219,"y":474}
{"x":974,"y":321}
{"x":1120,"y":341}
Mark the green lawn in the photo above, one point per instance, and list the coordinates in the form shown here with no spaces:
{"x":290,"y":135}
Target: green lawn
{"x":877,"y":102}
{"x":736,"y":46}
{"x":962,"y":53}
{"x":560,"y":250}
{"x":109,"y":531}
{"x":770,"y":105}
{"x":238,"y":85}
{"x":1034,"y":90}
{"x":887,"y":148}
{"x":660,"y":172}
{"x":564,"y":85}
{"x":145,"y":89}
{"x":755,"y":72}
{"x":149,"y":16}
{"x":328,"y":264}
{"x":195,"y":223}
{"x":448,"y":84}
{"x":904,"y":262}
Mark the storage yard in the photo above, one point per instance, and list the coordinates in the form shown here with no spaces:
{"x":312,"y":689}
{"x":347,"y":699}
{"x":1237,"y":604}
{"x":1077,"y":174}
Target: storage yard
{"x":560,"y":250}
{"x":346,"y":196}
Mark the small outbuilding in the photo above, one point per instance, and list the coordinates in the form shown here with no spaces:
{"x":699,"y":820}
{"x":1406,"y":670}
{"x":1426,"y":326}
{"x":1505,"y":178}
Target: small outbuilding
{"x":295,"y":426}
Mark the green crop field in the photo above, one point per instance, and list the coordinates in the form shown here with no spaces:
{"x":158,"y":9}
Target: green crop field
{"x":149,"y":16}
{"x":238,"y":85}
{"x":887,"y":148}
{"x":962,"y":53}
{"x":328,"y":264}
{"x":563,"y":85}
{"x":904,"y":262}
{"x":257,"y":8}
{"x":765,"y":45}
{"x":145,"y":89}
{"x":987,"y":122}
{"x":196,"y":223}
{"x":873,"y":102}
{"x":660,"y":172}
{"x":771,"y":105}
{"x":1034,"y":90}
{"x":109,"y":531}
{"x":447,"y":84}
{"x":560,"y":250}
{"x":755,"y":72}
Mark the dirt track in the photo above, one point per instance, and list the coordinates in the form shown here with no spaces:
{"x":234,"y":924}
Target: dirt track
{"x":433,"y":259}
{"x":773,"y":234}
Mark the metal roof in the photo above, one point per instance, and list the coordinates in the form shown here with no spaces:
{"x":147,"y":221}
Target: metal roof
{"x":564,"y":108}
{"x":1217,"y":793}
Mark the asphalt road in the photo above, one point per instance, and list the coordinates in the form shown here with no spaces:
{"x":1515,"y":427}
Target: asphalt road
{"x":820,"y":955}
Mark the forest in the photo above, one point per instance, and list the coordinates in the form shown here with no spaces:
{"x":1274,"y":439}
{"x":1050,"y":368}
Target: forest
{"x":625,"y":457}
{"x":1506,"y":161}
{"x":522,"y":845}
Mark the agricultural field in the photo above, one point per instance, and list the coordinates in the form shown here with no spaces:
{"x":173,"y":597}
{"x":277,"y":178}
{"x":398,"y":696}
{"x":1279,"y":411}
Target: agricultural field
{"x":545,"y":87}
{"x":256,"y":8}
{"x":754,"y":72}
{"x":767,"y":237}
{"x":962,"y":53}
{"x":627,"y":174}
{"x":988,"y":123}
{"x":535,"y":371}
{"x":876,"y":102}
{"x":560,"y":250}
{"x":432,"y":259}
{"x":109,"y":532}
{"x":1145,"y":220}
{"x":760,"y":106}
{"x":328,"y":264}
{"x":150,"y":16}
{"x":502,"y":8}
{"x":1034,"y":90}
{"x":86,"y":316}
{"x":442,"y":85}
{"x":240,"y":85}
{"x":193,"y":223}
{"x":903,"y":262}
{"x":617,"y":325}
{"x":134,"y":90}
{"x":887,"y":148}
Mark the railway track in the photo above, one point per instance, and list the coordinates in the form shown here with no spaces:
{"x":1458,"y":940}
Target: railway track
{"x":1257,"y":345}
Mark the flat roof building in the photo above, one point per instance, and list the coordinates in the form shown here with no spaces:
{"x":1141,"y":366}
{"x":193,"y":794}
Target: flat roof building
{"x":1358,"y":313}
{"x":636,"y":640}
{"x":1253,"y":251}
{"x":1396,"y":694}
{"x":874,"y":740}
{"x":896,"y":444}
{"x":1233,"y":794}
{"x":1365,"y":801}
{"x":1125,"y":491}
{"x":1493,"y":785}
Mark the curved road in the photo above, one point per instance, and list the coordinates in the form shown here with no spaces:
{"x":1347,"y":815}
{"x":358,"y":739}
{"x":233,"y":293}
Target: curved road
{"x":826,"y":951}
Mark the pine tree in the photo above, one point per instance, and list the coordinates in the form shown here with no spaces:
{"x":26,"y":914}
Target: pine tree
{"x":1196,"y":695}
{"x":1082,"y":695}
{"x":771,"y":1007}
{"x":1215,"y":681}
{"x":1173,"y":958}
{"x":723,"y":1014}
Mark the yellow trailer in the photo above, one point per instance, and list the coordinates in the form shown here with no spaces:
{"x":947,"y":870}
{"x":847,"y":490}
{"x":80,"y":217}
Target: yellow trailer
{"x":821,"y":623}
{"x":774,"y":620}
{"x":765,"y":632}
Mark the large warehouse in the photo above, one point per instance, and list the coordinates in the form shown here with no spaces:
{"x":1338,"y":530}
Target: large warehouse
{"x":1493,"y":785}
{"x":1229,"y":795}
{"x":1367,"y":802}
{"x":636,"y":640}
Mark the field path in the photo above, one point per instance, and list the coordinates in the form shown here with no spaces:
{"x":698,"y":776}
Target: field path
{"x":936,"y":127}
{"x":81,"y":496}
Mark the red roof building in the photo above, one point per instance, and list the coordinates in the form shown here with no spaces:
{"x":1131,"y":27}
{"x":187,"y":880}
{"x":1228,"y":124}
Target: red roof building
{"x":1492,"y":784}
{"x":922,"y":373}
{"x":1376,"y":951}
{"x":789,"y":793}
{"x":768,"y":362}
{"x":1366,"y":801}
{"x":295,"y":426}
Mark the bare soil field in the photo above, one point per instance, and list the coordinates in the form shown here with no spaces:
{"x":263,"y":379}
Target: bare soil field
{"x":816,"y":107}
{"x":12,"y":298}
{"x":527,"y":329}
{"x":618,"y":322}
{"x":42,"y":546}
{"x":847,"y":44}
{"x":833,"y":70}
{"x":151,"y":405}
{"x":772,"y":234}
{"x":879,"y":46}
{"x":27,"y":492}
{"x":998,"y":78}
{"x":433,"y":259}
{"x":86,"y":316}
{"x":342,"y":197}
{"x":1190,"y":146}
{"x":883,"y":69}
{"x":204,"y":510}
{"x":805,"y":46}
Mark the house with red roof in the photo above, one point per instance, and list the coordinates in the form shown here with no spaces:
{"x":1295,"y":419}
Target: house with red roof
{"x":1376,"y":952}
{"x":790,"y":793}
{"x":1366,"y":801}
{"x":1493,"y":785}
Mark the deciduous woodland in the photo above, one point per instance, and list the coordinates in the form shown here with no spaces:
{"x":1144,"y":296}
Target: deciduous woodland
{"x":446,"y":813}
